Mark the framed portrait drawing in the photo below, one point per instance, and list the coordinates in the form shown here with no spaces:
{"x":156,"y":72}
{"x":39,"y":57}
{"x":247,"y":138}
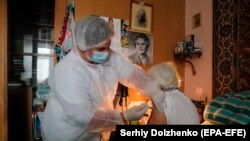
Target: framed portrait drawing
{"x":140,"y":48}
{"x":141,"y":17}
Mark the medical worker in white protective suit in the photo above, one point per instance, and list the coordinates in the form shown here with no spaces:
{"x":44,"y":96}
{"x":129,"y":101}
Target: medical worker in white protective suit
{"x":83,"y":86}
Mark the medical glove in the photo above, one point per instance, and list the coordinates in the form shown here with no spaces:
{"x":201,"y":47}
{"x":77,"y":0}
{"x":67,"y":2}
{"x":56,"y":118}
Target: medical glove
{"x":135,"y":113}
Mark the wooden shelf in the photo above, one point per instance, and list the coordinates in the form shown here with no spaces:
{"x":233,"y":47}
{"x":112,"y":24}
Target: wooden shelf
{"x":182,"y":56}
{"x":187,"y":54}
{"x":18,"y":69}
{"x":32,"y":54}
{"x":34,"y":39}
{"x":34,"y":23}
{"x":43,"y":9}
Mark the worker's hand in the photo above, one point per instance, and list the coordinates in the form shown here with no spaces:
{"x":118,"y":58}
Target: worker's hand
{"x":135,"y":113}
{"x":156,"y":94}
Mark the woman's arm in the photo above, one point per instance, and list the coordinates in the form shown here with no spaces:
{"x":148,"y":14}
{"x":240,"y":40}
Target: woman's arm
{"x":157,"y":118}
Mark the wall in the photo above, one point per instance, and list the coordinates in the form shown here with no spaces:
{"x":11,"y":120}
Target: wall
{"x":3,"y":70}
{"x":200,"y":85}
{"x":168,"y":22}
{"x":168,"y":28}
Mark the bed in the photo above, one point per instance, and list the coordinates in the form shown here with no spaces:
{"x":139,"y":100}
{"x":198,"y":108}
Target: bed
{"x":230,"y":108}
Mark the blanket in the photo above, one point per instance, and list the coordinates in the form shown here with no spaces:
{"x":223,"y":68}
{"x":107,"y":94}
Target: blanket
{"x":230,"y":108}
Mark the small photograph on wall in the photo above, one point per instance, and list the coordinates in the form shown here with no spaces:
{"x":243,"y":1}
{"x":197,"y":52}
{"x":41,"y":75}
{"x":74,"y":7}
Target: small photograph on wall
{"x":116,"y":25}
{"x":197,"y":20}
{"x":124,"y":33}
{"x":124,"y":38}
{"x":140,"y":48}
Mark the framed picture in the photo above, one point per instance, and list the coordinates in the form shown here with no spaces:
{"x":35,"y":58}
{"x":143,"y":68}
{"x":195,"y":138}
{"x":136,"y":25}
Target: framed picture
{"x":197,"y":20}
{"x":140,"y":48}
{"x":141,"y":17}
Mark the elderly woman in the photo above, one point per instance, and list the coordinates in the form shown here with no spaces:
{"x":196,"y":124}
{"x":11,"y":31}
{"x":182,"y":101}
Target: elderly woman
{"x":178,"y":108}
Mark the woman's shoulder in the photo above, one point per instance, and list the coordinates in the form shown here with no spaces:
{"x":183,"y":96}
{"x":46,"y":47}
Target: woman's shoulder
{"x":173,"y":96}
{"x":177,"y":96}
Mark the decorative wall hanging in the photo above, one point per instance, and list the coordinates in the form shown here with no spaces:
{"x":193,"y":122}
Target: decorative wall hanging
{"x":141,"y":17}
{"x":65,"y":42}
{"x":231,"y":50}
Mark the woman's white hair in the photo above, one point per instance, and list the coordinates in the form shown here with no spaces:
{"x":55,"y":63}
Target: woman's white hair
{"x":165,"y":75}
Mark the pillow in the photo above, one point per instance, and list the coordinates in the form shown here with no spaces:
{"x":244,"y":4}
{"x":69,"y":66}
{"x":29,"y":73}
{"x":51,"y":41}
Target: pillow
{"x":230,"y":108}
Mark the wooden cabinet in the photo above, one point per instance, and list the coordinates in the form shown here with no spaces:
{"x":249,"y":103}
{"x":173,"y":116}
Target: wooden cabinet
{"x":19,"y":113}
{"x":31,"y":28}
{"x":231,"y":46}
{"x":30,"y":60}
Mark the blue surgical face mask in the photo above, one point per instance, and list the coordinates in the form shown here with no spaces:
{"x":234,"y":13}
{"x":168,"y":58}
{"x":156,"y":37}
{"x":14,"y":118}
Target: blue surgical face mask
{"x":99,"y":57}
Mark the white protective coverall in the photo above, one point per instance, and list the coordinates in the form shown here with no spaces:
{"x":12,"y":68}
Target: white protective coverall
{"x":80,"y":104}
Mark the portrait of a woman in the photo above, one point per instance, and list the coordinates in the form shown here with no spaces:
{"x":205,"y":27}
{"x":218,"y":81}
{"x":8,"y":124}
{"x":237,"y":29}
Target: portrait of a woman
{"x":141,"y":43}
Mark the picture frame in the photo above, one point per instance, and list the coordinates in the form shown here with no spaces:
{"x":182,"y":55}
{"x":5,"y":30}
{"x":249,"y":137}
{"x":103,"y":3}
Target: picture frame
{"x":141,"y":17}
{"x":134,"y":50}
{"x":197,"y":20}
